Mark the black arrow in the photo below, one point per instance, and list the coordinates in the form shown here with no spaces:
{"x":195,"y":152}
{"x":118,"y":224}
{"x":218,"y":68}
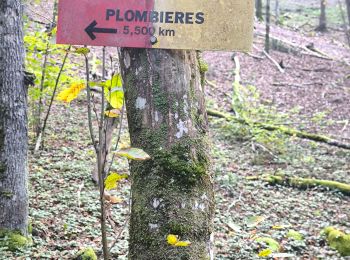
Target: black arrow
{"x":91,"y":29}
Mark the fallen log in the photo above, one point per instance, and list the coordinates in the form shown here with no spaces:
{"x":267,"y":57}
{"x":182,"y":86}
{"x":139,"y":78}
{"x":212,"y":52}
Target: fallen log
{"x":303,"y":183}
{"x":288,"y":131}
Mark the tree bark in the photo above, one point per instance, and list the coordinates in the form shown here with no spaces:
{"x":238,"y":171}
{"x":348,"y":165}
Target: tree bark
{"x":277,"y":12}
{"x":322,"y":27}
{"x":268,"y":18}
{"x":258,"y":9}
{"x":13,"y":120}
{"x":109,"y":125}
{"x":348,"y":9}
{"x":172,"y":193}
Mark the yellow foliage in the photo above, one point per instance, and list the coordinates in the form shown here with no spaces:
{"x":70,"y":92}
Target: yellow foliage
{"x":172,"y":239}
{"x":69,"y":94}
{"x":81,"y":50}
{"x":114,"y":93}
{"x":183,"y":243}
{"x":112,"y":113}
{"x":112,"y":180}
{"x":265,"y":253}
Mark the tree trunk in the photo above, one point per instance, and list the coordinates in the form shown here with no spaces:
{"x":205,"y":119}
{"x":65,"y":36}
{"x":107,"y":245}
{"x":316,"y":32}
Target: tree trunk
{"x":172,"y":193}
{"x":258,"y":9}
{"x":267,"y":35}
{"x":109,"y":125}
{"x":277,"y":12}
{"x":13,"y":120}
{"x":322,"y":27}
{"x":348,"y":8}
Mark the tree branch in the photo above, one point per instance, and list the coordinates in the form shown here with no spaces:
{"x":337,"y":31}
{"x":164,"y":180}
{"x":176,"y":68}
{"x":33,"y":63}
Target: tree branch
{"x":283,"y":129}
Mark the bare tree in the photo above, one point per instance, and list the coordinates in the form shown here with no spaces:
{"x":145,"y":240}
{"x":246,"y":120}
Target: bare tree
{"x":268,"y":18}
{"x":322,"y":27}
{"x":258,"y":9}
{"x":277,"y":11}
{"x":347,"y":2}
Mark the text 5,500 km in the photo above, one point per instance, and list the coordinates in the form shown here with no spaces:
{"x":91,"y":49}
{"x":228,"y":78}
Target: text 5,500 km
{"x":144,"y":30}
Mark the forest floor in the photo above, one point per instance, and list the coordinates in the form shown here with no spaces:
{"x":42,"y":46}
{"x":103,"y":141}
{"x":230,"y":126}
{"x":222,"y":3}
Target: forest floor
{"x":312,"y":94}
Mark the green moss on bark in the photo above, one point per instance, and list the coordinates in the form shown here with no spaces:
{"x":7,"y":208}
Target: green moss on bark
{"x":185,"y":161}
{"x":6,"y":194}
{"x":13,"y":240}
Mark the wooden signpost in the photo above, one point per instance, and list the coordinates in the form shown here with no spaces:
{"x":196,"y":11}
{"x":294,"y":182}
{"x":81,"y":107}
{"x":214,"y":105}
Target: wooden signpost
{"x":167,"y":24}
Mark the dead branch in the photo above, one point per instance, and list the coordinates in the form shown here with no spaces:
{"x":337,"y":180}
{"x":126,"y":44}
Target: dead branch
{"x":283,"y":129}
{"x":303,"y":183}
{"x":274,"y":62}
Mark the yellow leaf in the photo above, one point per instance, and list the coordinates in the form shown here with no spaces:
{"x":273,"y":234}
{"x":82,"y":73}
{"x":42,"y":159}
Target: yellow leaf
{"x":172,"y":239}
{"x":112,"y":180}
{"x":115,"y":200}
{"x":112,"y":113}
{"x":254,"y":221}
{"x":81,"y":50}
{"x":265,"y":253}
{"x":278,"y":227}
{"x":133,"y":154}
{"x":69,"y":94}
{"x":115,"y":98}
{"x":114,"y":91}
{"x":183,"y":243}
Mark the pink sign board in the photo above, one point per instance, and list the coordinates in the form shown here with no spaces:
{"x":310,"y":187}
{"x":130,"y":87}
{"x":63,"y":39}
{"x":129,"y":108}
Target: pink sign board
{"x":174,"y":24}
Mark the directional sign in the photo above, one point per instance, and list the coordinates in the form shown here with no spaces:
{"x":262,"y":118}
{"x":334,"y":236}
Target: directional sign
{"x":168,"y":24}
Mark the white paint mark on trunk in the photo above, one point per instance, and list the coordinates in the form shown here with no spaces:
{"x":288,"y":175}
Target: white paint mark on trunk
{"x":156,"y":203}
{"x":153,"y":227}
{"x":196,"y":205}
{"x":204,"y":197}
{"x":182,"y":129}
{"x":185,"y":105}
{"x":140,"y":103}
{"x":156,"y":116}
{"x":127,"y":61}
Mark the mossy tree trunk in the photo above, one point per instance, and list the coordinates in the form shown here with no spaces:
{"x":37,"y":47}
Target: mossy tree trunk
{"x":172,"y":193}
{"x":13,"y":121}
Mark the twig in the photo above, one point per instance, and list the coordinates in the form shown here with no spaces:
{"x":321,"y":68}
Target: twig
{"x":40,"y":138}
{"x":254,"y":56}
{"x":88,"y":93}
{"x":43,"y":75}
{"x":118,"y":138}
{"x":288,"y":84}
{"x":274,"y":62}
{"x":98,"y":151}
{"x":119,"y":235}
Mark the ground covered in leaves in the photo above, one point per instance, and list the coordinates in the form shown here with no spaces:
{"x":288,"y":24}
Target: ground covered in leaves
{"x":312,"y":94}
